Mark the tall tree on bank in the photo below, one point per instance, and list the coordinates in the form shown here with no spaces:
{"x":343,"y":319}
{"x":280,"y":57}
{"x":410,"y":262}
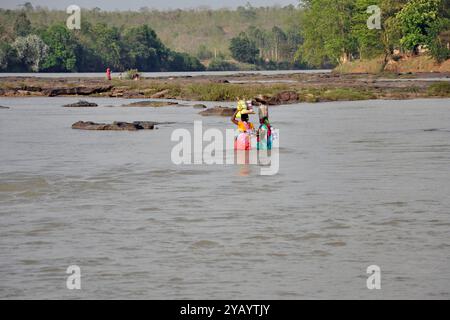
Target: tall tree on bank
{"x":375,"y":42}
{"x":243,"y":49}
{"x":144,"y":49}
{"x":444,"y":36}
{"x":107,"y":45}
{"x":420,"y":23}
{"x":31,"y":51}
{"x":391,"y":34}
{"x":277,"y":44}
{"x":64,"y":49}
{"x":4,"y":55}
{"x":368,"y":40}
{"x":22,"y":26}
{"x":337,"y":31}
{"x":326,"y":28}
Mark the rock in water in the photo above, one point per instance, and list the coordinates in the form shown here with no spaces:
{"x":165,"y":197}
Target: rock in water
{"x":81,"y":104}
{"x":124,"y":126}
{"x":88,"y":125}
{"x":219,"y":112}
{"x":145,"y":125}
{"x":2,"y":107}
{"x":200,"y":106}
{"x":116,"y":126}
{"x":150,"y":104}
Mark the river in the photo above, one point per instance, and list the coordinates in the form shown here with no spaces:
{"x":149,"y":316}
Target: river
{"x":360,"y":184}
{"x":160,"y":74}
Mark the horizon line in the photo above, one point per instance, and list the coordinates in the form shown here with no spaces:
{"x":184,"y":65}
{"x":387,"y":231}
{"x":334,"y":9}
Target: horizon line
{"x":150,"y":9}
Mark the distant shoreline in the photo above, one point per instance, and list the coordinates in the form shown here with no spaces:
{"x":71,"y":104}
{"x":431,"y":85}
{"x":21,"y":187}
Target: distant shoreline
{"x":160,"y":74}
{"x":303,"y":87}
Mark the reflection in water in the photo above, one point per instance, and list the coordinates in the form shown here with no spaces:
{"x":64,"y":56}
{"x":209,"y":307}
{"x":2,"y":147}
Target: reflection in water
{"x":266,"y":160}
{"x":244,"y":170}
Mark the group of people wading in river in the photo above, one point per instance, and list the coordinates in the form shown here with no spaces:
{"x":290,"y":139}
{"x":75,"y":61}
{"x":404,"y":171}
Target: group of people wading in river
{"x":246,"y":130}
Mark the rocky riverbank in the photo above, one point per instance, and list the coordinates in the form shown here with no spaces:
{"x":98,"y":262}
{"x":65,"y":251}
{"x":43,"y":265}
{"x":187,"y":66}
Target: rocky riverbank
{"x":273,"y":89}
{"x":397,"y":64}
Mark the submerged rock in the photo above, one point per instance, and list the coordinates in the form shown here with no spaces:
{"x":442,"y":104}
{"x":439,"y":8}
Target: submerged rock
{"x":200,"y":106}
{"x":150,"y":104}
{"x":2,"y":107}
{"x":81,"y":104}
{"x":218,"y":111}
{"x":116,"y":126}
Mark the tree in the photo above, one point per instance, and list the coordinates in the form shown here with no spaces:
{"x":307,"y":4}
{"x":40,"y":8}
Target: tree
{"x":261,"y":39}
{"x":88,"y":58}
{"x":28,"y":6}
{"x":294,"y":41}
{"x":144,"y":49}
{"x":420,"y":23}
{"x":369,"y":43}
{"x":446,"y":9}
{"x":31,"y":51}
{"x":243,"y":49}
{"x":182,"y":61}
{"x":440,"y":33}
{"x":222,"y":65}
{"x":390,"y":35}
{"x":247,"y":12}
{"x":63,"y":49}
{"x":4,"y":55}
{"x":22,"y":26}
{"x":279,"y":39}
{"x":203,"y":53}
{"x":326,"y":26}
{"x":108,"y":46}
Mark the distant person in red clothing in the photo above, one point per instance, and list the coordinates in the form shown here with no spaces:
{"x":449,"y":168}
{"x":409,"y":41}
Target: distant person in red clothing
{"x":108,"y":74}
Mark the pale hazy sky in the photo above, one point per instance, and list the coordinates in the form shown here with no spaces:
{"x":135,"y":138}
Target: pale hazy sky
{"x":136,"y":4}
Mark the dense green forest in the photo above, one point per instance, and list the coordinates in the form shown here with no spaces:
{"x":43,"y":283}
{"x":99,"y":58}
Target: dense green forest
{"x":337,"y":31}
{"x":141,"y":39}
{"x":316,"y":34}
{"x":55,"y":48}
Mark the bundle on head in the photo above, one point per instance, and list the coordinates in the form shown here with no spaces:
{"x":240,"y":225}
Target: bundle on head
{"x":263,"y":112}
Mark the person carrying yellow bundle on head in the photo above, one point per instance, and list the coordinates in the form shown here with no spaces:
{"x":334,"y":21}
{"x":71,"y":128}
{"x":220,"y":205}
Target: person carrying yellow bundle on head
{"x":241,"y":106}
{"x":245,"y":130}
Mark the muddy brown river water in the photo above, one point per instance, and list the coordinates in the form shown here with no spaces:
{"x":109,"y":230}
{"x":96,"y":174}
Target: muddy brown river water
{"x":360,"y":184}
